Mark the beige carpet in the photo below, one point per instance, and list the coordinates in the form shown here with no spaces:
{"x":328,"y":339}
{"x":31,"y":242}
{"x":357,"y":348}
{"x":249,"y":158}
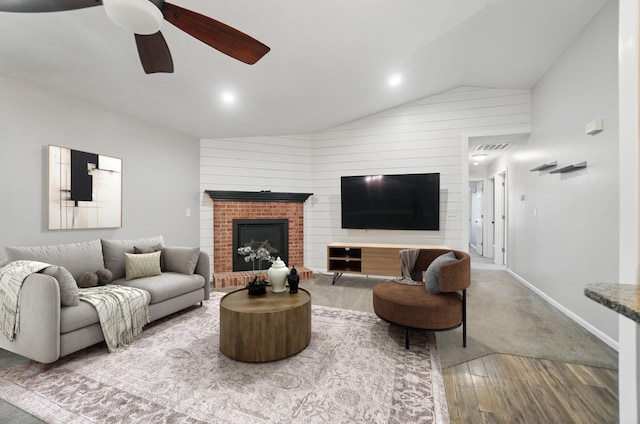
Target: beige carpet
{"x":355,"y":370}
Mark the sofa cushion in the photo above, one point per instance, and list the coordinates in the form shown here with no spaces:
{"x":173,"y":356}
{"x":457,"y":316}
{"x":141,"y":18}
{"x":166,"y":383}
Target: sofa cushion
{"x":114,"y":250}
{"x":141,"y":265}
{"x":75,"y":257}
{"x":432,"y":276}
{"x":166,"y":285}
{"x":181,"y":259}
{"x":75,"y":317}
{"x":69,"y":294}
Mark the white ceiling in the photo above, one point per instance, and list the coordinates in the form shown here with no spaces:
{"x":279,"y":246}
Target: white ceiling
{"x":328,"y":64}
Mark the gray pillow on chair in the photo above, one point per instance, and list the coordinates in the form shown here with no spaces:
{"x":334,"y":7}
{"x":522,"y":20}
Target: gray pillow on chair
{"x":432,"y":276}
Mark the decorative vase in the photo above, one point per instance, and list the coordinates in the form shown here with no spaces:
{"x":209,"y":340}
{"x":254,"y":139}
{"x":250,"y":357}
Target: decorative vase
{"x":293,"y":279}
{"x":278,"y":276}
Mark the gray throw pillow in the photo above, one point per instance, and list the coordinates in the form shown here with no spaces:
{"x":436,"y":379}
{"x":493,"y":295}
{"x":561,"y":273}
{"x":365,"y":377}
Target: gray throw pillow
{"x":69,"y":294}
{"x":87,"y":279}
{"x":432,"y":276}
{"x":151,"y":249}
{"x":114,"y":250}
{"x":181,"y":259}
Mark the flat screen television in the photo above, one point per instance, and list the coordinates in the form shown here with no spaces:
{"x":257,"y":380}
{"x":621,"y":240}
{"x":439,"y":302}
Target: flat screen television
{"x":391,"y":202}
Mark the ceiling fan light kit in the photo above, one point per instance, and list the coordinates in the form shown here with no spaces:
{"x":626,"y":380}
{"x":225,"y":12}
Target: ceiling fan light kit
{"x":138,"y":16}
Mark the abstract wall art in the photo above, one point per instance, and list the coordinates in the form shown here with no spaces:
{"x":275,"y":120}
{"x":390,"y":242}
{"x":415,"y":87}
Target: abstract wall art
{"x":85,"y":190}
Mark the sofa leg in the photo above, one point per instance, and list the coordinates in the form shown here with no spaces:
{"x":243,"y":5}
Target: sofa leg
{"x":406,"y":338}
{"x":45,"y":367}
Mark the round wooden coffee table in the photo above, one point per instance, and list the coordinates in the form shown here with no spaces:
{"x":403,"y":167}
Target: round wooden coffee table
{"x":265,"y":327}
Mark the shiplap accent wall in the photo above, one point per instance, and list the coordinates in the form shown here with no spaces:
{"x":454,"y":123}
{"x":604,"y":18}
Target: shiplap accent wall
{"x":428,"y":135}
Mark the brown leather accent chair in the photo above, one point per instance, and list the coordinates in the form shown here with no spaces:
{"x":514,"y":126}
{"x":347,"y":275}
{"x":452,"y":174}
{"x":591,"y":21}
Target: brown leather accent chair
{"x":413,"y":308}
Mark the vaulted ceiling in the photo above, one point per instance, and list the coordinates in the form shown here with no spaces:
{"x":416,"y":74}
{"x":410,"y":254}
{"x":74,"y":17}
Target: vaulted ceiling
{"x":329,"y":62}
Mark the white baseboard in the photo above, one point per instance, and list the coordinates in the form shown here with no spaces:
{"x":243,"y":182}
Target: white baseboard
{"x":590,"y":328}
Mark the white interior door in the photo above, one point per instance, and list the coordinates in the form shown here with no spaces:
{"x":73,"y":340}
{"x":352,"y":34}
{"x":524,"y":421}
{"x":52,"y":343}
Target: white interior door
{"x":476,"y":220}
{"x":489,"y":221}
{"x":500,"y":219}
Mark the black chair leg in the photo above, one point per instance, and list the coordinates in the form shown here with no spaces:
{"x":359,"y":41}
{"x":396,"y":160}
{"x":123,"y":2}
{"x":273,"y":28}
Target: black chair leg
{"x":406,"y":338}
{"x":464,"y":318}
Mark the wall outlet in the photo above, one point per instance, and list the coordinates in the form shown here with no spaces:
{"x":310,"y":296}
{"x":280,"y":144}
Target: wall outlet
{"x":188,"y":212}
{"x":452,"y":213}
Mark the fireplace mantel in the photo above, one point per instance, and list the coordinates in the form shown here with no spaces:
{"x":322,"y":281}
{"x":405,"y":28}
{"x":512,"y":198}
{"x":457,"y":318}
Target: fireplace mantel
{"x":258,"y":196}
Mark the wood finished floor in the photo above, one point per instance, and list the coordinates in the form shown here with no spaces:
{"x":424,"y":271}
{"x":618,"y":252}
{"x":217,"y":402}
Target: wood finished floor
{"x":500,"y":388}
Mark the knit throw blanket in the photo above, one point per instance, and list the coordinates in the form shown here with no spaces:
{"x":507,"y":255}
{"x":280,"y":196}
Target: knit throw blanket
{"x":408,"y":259}
{"x":123,"y":311}
{"x":12,"y":276}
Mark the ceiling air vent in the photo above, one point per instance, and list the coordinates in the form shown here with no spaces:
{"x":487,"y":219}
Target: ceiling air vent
{"x":492,"y":147}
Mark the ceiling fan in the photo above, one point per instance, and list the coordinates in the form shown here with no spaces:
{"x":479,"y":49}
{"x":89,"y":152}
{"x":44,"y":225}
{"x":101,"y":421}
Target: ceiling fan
{"x":144,"y":19}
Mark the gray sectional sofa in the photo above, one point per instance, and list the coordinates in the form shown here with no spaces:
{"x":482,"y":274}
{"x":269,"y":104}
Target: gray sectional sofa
{"x":50,"y":330}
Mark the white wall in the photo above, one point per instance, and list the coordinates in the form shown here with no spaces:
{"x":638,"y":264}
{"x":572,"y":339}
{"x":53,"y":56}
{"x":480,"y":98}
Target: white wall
{"x":160,"y":175}
{"x":573,"y":238}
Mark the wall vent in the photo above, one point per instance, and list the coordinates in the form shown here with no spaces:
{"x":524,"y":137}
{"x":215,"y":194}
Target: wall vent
{"x":492,"y":147}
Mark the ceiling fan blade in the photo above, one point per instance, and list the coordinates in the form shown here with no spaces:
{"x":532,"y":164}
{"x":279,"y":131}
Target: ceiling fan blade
{"x":35,"y":6}
{"x":154,"y":53}
{"x":220,"y":36}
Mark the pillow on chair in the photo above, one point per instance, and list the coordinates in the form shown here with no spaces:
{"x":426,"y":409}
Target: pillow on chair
{"x":432,"y":276}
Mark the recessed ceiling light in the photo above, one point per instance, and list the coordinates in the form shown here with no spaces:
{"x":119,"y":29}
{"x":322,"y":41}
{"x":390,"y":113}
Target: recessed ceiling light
{"x":395,"y":80}
{"x":476,"y":163}
{"x":228,"y":97}
{"x":480,"y":156}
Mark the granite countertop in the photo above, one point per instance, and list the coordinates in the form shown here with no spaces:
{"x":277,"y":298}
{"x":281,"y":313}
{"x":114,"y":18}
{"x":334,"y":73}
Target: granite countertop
{"x":622,"y":298}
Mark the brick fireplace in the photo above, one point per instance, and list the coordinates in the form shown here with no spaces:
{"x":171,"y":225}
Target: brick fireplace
{"x":240,"y":205}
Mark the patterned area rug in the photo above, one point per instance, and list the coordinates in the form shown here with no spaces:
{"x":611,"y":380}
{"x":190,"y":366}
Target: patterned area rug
{"x":355,"y":370}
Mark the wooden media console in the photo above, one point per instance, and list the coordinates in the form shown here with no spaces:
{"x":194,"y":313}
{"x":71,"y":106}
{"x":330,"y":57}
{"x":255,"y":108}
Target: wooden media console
{"x":367,"y":258}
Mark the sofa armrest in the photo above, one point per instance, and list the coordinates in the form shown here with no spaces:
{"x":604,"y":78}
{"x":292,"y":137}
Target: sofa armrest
{"x":39,"y":336}
{"x":202,"y":268}
{"x":456,"y":275}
